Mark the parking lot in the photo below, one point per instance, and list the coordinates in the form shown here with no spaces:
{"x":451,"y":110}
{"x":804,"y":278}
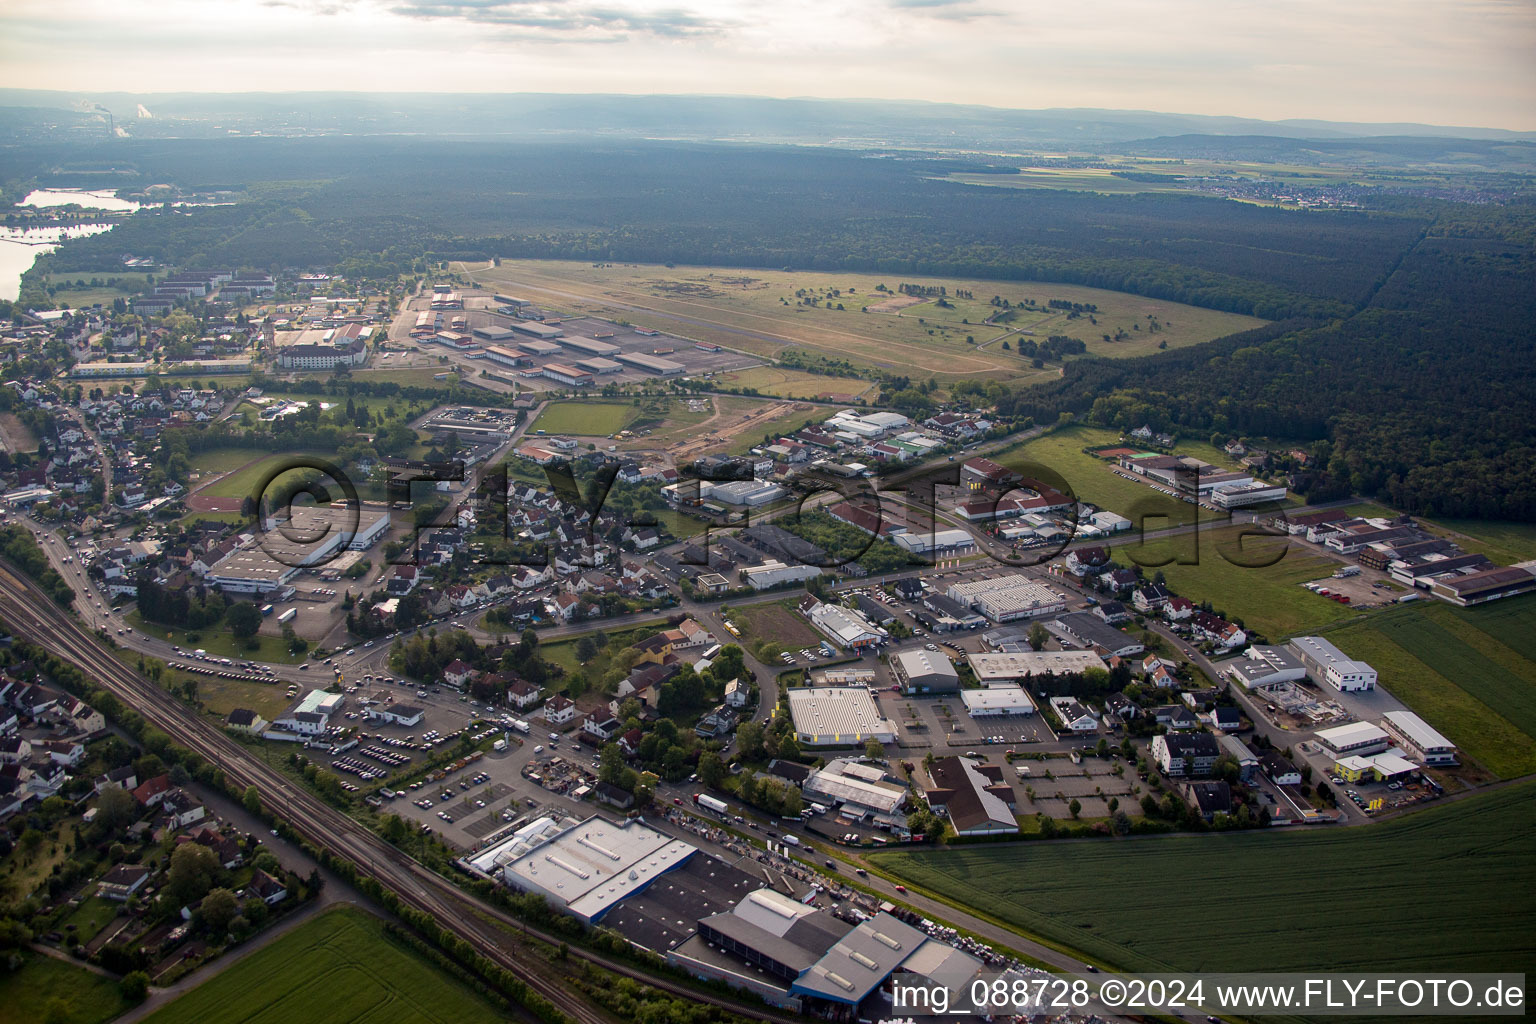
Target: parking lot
{"x":941,"y":724}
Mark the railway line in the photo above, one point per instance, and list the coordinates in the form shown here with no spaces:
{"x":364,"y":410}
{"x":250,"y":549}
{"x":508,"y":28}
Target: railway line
{"x":35,"y":617}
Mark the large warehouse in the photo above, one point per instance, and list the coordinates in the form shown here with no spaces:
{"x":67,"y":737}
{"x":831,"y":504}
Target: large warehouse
{"x":587,"y":868}
{"x":924,"y":672}
{"x":1419,"y":738}
{"x":651,"y":364}
{"x":1008,"y":598}
{"x":309,"y":538}
{"x":1008,"y":668}
{"x":1360,"y":738}
{"x":1325,"y":663}
{"x":841,"y":716}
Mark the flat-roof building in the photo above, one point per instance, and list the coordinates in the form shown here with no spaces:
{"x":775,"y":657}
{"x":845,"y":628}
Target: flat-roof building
{"x":924,"y":672}
{"x":1325,"y":663}
{"x":308,"y":538}
{"x":587,"y":868}
{"x":651,"y":364}
{"x":1419,"y":738}
{"x":1262,"y":666}
{"x":1007,"y":598}
{"x":1355,"y":738}
{"x":997,"y":700}
{"x":539,"y":348}
{"x":1011,"y":667}
{"x":589,"y":346}
{"x":827,"y":716}
{"x":540,"y":331}
{"x":598,"y":365}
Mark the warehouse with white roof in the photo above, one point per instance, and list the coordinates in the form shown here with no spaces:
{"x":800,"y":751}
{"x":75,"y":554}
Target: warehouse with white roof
{"x":1419,"y":738}
{"x":1356,"y":738}
{"x":827,"y":716}
{"x":587,"y":868}
{"x":997,"y":700}
{"x":1014,"y":666}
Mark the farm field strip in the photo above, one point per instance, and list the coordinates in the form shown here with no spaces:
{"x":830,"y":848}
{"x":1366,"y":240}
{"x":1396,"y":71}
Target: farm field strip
{"x":1417,"y":873}
{"x":1450,"y":703}
{"x":340,"y":968}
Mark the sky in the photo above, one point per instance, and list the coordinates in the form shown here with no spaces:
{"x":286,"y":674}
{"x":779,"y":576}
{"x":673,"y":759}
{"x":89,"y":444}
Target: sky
{"x":1449,"y":62}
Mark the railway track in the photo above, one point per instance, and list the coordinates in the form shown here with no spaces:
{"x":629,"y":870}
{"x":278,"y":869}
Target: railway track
{"x":35,"y":617}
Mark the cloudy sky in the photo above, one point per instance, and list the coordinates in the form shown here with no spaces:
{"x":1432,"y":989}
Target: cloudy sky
{"x":1455,"y":62}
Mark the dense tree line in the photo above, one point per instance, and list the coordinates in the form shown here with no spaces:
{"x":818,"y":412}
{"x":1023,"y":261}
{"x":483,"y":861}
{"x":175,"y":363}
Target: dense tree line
{"x":1422,"y":397}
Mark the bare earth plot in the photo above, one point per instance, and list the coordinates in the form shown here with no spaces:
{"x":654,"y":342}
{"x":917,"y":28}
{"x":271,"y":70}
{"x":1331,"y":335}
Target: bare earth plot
{"x":766,"y":313}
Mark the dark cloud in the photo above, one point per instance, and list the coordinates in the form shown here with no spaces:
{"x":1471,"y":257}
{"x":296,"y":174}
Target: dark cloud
{"x":558,"y":18}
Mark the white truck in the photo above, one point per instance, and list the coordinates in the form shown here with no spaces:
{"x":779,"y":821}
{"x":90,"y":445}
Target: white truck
{"x":711,"y":803}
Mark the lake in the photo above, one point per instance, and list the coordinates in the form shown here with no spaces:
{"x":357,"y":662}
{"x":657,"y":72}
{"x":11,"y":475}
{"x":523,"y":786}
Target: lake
{"x":100,"y":199}
{"x":19,"y":247}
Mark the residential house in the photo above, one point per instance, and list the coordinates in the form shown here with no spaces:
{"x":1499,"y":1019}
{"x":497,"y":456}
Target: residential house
{"x":1181,"y":755}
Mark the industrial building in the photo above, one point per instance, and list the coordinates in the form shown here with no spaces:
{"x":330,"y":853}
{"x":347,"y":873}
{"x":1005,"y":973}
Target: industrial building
{"x":826,"y":716}
{"x":774,"y":573}
{"x":310,"y":715}
{"x":494,"y":334}
{"x":1418,"y":738}
{"x":861,"y":791}
{"x":972,"y":795}
{"x":589,"y":346}
{"x":1091,"y":631}
{"x":587,"y":868}
{"x":1012,"y":667}
{"x":1262,"y":666}
{"x":926,"y":542}
{"x":540,"y":331}
{"x":506,"y":356}
{"x":651,"y":364}
{"x":310,"y":537}
{"x":843,"y":626}
{"x":1007,"y":598}
{"x":1361,"y":738}
{"x":924,"y":672}
{"x":997,"y":700}
{"x":562,"y":374}
{"x":598,"y":365}
{"x":541,"y":349}
{"x":1325,"y":663}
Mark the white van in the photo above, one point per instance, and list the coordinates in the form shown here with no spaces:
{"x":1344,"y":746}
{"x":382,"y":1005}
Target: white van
{"x":790,"y":840}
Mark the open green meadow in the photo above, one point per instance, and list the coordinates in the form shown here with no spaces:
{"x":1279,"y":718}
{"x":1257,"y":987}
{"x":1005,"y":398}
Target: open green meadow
{"x":1095,"y":480}
{"x":585,"y":419}
{"x":1470,"y":672}
{"x":340,"y":968}
{"x":45,"y":989}
{"x":219,"y":641}
{"x":764,"y":312}
{"x":240,"y":483}
{"x":1442,"y":889}
{"x":782,"y":382}
{"x":1254,"y":577}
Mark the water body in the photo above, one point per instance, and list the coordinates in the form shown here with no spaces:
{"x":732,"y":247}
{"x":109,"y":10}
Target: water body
{"x":20,"y":247}
{"x":100,"y":199}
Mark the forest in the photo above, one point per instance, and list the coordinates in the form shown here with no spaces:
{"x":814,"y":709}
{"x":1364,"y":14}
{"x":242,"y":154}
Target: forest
{"x":1402,"y":336}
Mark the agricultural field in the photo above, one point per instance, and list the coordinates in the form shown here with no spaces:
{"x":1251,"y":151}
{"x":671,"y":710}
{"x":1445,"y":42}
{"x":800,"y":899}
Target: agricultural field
{"x":340,"y":968}
{"x":45,"y":989}
{"x":782,"y":382}
{"x":1255,"y":578}
{"x":585,"y":419}
{"x":766,"y":312}
{"x":1471,"y":672}
{"x":1386,"y":879}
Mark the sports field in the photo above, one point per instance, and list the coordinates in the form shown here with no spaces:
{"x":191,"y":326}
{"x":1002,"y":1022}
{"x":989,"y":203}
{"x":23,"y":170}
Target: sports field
{"x":1470,"y":672}
{"x":764,"y":312}
{"x":1442,"y":889}
{"x":586,"y":419}
{"x":340,"y":968}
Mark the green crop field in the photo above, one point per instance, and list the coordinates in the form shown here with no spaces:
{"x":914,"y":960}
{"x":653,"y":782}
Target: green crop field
{"x":1230,"y":571}
{"x":763,"y":312}
{"x":1444,"y":884}
{"x":341,"y":968}
{"x":1471,"y":672}
{"x":586,"y":419}
{"x":45,"y":989}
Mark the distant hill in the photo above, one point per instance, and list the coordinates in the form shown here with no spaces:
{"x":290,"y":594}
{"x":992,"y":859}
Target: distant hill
{"x":854,"y":122}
